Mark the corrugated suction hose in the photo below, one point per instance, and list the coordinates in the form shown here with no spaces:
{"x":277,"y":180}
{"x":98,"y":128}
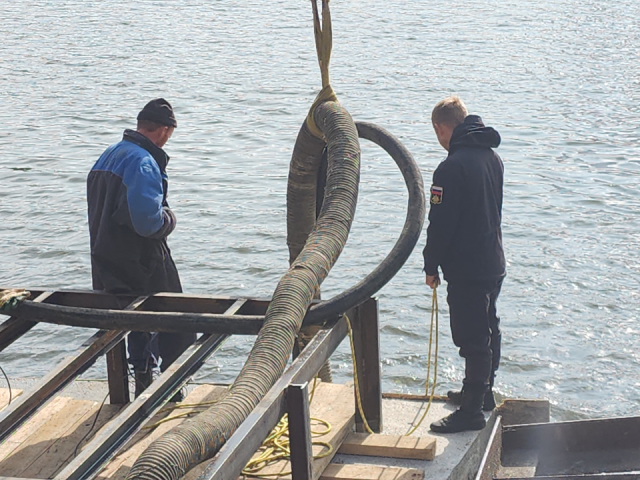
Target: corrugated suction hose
{"x":200,"y":438}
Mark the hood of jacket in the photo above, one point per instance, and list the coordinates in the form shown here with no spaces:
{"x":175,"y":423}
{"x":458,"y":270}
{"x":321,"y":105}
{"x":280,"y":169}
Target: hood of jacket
{"x":473,"y":133}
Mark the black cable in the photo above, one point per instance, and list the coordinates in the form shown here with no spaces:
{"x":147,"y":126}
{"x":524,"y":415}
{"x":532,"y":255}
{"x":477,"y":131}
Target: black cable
{"x":8,"y":386}
{"x":95,"y":420}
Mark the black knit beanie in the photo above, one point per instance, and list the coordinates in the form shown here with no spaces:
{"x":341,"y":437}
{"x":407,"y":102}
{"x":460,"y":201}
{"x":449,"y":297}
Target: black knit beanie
{"x":158,"y":111}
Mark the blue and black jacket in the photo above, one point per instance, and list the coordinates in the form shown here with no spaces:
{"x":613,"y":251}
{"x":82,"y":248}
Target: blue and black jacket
{"x":464,"y":236}
{"x":130,"y":219}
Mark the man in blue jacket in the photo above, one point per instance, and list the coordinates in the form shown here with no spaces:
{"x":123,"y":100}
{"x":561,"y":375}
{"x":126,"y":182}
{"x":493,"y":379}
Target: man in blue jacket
{"x":129,"y":221}
{"x":464,"y":239}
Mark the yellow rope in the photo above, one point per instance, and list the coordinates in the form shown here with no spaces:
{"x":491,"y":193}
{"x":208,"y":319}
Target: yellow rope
{"x":434,"y":320}
{"x":324,"y":42}
{"x":276,"y":446}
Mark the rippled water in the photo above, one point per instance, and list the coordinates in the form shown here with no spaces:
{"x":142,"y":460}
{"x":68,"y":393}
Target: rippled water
{"x":560,"y":80}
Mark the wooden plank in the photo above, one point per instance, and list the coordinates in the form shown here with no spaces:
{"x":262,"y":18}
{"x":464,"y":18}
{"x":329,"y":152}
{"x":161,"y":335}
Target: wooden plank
{"x":393,"y":446}
{"x":119,"y":466}
{"x":34,"y":424}
{"x":370,"y":472}
{"x":41,"y":439}
{"x":331,"y":402}
{"x":70,"y":442}
{"x":4,"y":396}
{"x":414,"y":397}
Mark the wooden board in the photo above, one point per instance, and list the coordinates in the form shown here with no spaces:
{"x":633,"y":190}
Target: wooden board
{"x":119,"y":466}
{"x":393,"y":446}
{"x":21,"y":435}
{"x":370,"y":472}
{"x":331,"y":402}
{"x":4,"y":396}
{"x":42,"y":449}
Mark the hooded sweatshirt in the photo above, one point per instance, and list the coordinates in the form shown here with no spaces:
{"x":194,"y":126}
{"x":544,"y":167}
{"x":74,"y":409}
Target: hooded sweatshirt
{"x":464,"y":236}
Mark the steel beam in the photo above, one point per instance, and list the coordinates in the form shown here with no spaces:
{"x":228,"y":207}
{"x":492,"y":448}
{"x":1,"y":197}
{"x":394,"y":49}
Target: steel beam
{"x":14,"y":328}
{"x":300,"y":432}
{"x":366,"y":342}
{"x":162,"y":313}
{"x":118,"y":374}
{"x":27,"y":404}
{"x":129,"y":421}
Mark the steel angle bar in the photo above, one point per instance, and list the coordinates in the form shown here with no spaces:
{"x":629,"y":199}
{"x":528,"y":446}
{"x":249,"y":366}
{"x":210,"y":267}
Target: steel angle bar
{"x":300,"y":432}
{"x":25,"y":405}
{"x":129,"y":421}
{"x":241,"y":446}
{"x":14,"y":327}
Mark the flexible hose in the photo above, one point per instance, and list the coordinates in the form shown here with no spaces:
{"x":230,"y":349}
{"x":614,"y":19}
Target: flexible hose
{"x":405,"y":244}
{"x":200,"y":438}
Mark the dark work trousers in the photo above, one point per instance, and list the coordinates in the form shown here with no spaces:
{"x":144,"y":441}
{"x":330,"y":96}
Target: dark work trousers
{"x":146,"y":349}
{"x":475,"y":328}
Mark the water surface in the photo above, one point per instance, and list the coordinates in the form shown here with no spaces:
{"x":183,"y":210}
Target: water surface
{"x":559,"y":80}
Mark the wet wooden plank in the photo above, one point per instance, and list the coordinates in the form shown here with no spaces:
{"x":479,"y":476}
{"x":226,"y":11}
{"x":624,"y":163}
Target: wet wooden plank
{"x":370,"y":472}
{"x":119,"y":466}
{"x":393,"y":446}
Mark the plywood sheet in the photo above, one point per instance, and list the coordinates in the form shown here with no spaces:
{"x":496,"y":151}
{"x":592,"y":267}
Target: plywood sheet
{"x":393,"y":446}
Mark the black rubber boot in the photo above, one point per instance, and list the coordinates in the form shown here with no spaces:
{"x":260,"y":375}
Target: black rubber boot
{"x":455,"y":397}
{"x":468,"y":417}
{"x":143,"y":379}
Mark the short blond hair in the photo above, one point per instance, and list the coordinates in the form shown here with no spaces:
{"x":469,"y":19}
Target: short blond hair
{"x":451,"y":111}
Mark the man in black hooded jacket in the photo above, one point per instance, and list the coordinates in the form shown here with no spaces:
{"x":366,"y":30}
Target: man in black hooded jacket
{"x":464,"y":239}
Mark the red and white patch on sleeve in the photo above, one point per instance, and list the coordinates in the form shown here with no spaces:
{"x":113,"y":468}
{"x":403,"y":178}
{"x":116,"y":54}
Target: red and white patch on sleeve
{"x":436,"y":195}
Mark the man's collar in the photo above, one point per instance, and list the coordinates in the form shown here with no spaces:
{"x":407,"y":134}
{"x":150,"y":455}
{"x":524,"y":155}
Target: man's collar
{"x":156,"y":152}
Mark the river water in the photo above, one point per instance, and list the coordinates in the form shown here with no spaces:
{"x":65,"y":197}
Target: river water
{"x":560,"y":80}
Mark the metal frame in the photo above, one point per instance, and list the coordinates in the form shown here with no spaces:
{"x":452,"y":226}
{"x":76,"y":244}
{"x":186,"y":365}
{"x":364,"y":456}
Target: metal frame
{"x":289,"y":393}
